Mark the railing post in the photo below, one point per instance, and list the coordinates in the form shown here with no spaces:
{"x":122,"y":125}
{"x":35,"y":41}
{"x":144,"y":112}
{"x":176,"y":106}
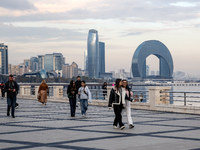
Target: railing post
{"x":154,"y":96}
{"x":184,"y":98}
{"x":96,"y":95}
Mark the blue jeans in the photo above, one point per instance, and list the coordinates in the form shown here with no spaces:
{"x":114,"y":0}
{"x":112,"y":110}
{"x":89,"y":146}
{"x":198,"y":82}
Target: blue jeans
{"x":11,"y":101}
{"x":72,"y":102}
{"x":84,"y":105}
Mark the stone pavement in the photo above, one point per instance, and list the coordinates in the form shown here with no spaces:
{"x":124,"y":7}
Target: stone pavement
{"x":38,"y":127}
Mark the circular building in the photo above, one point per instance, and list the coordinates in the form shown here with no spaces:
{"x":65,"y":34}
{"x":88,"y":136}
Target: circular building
{"x":152,"y":47}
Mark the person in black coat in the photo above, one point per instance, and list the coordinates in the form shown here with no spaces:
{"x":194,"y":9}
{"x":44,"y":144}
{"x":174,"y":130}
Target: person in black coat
{"x":3,"y":90}
{"x":71,"y":92}
{"x":11,"y":87}
{"x":104,"y":87}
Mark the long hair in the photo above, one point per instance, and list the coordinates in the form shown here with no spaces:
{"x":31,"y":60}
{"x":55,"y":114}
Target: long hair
{"x":127,"y":87}
{"x":43,"y":82}
{"x":117,"y":86}
{"x":73,"y":87}
{"x":84,"y":83}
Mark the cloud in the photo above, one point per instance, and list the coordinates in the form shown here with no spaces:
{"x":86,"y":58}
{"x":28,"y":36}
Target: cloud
{"x":38,"y":34}
{"x":132,"y":10}
{"x":17,"y":5}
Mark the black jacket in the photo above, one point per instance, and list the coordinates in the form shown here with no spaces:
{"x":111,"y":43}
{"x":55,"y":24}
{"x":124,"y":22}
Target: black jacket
{"x":114,"y":98}
{"x":104,"y":87}
{"x":69,"y":91}
{"x":78,"y":85}
{"x":11,"y":85}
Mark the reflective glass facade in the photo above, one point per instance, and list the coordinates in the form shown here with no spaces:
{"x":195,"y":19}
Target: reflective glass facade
{"x":101,"y":57}
{"x":58,"y":58}
{"x":34,"y":63}
{"x":3,"y":59}
{"x":48,"y":62}
{"x":85,"y":61}
{"x":93,"y":53}
{"x":40,"y":62}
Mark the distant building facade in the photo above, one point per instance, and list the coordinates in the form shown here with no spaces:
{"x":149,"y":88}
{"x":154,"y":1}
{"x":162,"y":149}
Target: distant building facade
{"x":70,"y":71}
{"x":3,"y":59}
{"x":101,"y":57}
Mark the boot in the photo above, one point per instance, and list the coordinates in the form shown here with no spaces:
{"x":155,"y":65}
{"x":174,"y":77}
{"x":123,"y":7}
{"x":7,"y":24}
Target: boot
{"x":8,"y":111}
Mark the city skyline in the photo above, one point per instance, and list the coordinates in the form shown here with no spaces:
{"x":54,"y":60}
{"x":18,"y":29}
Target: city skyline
{"x":34,"y":27}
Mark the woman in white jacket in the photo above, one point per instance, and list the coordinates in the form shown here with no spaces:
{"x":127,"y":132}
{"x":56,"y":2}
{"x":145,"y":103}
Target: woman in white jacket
{"x":128,"y":99}
{"x":85,"y":94}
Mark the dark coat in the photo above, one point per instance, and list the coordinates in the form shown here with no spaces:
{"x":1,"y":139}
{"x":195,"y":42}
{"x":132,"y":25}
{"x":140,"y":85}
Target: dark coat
{"x":104,"y":87}
{"x":78,"y":85}
{"x":11,"y":85}
{"x":69,"y":92}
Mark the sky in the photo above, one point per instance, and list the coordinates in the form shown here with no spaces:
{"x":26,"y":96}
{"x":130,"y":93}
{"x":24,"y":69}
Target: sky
{"x":36,"y":27}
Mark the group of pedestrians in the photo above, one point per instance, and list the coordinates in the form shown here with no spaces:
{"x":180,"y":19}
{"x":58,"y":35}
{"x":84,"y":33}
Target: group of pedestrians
{"x":120,"y":98}
{"x":78,"y":91}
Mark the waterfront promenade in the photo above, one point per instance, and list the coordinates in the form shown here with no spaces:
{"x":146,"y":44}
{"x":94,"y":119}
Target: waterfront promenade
{"x":38,"y":127}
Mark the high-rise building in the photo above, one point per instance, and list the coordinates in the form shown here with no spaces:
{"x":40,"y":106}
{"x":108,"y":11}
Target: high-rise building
{"x":3,"y":59}
{"x":93,"y":53}
{"x":15,"y":70}
{"x":51,"y":61}
{"x":48,"y":62}
{"x":58,"y":61}
{"x":101,"y":57}
{"x":85,"y":60}
{"x":40,"y":62}
{"x":34,"y":64}
{"x":70,"y":71}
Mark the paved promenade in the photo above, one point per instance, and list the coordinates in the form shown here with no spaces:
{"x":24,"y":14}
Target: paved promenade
{"x":38,"y":127}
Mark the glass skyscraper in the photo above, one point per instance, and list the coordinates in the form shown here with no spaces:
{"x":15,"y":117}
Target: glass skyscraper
{"x":48,"y":62}
{"x":93,"y":53}
{"x":85,"y":61}
{"x":101,"y":57}
{"x":58,"y":59}
{"x":3,"y":59}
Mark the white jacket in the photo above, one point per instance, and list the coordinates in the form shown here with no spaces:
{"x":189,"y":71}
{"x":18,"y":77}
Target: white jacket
{"x":83,"y":95}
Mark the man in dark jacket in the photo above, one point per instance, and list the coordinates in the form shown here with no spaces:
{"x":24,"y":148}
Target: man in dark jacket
{"x":11,"y":88}
{"x":78,"y":85}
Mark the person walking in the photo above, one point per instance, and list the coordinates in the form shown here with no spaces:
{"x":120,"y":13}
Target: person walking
{"x":117,"y":100}
{"x":85,"y":94}
{"x":104,"y":87}
{"x":78,"y":85}
{"x":11,"y":88}
{"x":71,"y":92}
{"x":128,"y":99}
{"x":3,"y":90}
{"x":42,"y":91}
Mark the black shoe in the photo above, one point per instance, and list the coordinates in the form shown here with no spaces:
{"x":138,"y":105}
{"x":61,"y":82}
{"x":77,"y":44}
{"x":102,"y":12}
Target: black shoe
{"x":13,"y":116}
{"x":8,"y":114}
{"x":131,"y":126}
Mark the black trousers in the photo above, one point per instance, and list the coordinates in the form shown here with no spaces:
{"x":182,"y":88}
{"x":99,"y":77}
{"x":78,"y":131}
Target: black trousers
{"x":3,"y":94}
{"x":72,"y":102}
{"x":118,"y":116}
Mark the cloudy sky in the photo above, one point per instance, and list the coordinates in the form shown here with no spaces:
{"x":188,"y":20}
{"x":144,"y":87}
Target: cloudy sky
{"x":34,"y":27}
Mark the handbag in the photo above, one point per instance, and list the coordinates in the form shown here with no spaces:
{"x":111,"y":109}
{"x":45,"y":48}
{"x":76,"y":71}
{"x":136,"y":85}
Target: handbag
{"x":38,"y":96}
{"x":70,"y":95}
